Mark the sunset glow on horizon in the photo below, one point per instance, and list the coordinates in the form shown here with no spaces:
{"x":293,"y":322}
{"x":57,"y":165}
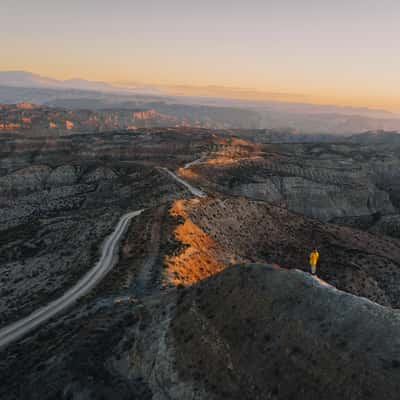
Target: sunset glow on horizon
{"x":324,"y":52}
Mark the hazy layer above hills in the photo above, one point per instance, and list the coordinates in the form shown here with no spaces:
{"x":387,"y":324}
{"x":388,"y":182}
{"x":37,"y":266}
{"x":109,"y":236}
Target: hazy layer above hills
{"x":16,"y":86}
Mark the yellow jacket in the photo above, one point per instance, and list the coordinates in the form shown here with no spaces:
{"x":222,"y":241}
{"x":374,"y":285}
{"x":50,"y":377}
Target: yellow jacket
{"x":314,"y":257}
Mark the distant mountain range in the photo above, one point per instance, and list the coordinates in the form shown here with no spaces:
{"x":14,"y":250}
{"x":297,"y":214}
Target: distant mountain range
{"x":28,"y":79}
{"x":303,"y":118}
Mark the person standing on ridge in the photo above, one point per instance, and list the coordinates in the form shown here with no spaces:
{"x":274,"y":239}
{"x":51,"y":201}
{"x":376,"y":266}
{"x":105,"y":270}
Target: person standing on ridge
{"x":313,"y":261}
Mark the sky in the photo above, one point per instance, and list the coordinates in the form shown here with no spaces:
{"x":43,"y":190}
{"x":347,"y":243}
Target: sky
{"x":343,"y":52}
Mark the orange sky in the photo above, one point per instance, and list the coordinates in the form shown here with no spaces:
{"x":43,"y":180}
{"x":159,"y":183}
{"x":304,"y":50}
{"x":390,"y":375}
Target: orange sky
{"x":343,"y":52}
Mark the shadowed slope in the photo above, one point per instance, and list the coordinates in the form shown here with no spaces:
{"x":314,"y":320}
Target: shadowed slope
{"x":259,"y":332}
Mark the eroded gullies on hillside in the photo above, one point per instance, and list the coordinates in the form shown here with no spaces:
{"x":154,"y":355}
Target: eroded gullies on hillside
{"x":343,"y":183}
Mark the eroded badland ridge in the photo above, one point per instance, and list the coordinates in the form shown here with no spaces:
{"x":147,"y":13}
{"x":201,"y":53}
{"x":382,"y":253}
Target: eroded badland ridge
{"x":210,"y":297}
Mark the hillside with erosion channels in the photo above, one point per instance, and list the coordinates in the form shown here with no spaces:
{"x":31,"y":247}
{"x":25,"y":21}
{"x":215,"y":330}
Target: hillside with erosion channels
{"x":347,"y":183}
{"x":207,"y":292}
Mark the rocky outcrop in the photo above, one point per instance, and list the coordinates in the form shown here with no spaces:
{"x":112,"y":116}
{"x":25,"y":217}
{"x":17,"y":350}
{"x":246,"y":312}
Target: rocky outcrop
{"x":9,"y":126}
{"x":26,"y":106}
{"x":144,"y":114}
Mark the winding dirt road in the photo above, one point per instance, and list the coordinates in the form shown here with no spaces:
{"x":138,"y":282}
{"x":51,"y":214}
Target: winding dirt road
{"x":107,"y":260}
{"x":192,"y":189}
{"x":22,"y":327}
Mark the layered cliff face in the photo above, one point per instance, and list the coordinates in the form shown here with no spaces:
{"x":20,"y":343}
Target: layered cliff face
{"x":37,"y":120}
{"x":324,"y":201}
{"x":41,"y":120}
{"x":328,"y":182}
